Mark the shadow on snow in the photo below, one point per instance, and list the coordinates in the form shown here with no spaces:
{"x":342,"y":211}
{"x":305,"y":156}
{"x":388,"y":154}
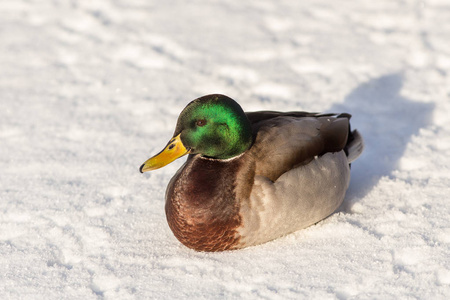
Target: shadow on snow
{"x":387,"y":122}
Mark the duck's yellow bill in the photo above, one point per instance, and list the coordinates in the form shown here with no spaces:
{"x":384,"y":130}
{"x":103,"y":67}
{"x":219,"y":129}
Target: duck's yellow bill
{"x":172,"y":151}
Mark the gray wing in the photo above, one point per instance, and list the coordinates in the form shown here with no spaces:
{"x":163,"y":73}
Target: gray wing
{"x":285,"y":140}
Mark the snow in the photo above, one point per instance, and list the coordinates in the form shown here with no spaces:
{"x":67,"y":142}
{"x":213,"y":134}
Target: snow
{"x":90,"y":89}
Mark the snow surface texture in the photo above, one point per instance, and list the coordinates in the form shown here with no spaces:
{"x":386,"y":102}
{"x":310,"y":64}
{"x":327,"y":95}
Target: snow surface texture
{"x":90,"y":89}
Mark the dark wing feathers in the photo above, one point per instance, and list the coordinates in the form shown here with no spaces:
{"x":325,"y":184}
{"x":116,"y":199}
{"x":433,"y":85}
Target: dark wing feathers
{"x":285,"y":140}
{"x":334,"y":133}
{"x":258,"y":116}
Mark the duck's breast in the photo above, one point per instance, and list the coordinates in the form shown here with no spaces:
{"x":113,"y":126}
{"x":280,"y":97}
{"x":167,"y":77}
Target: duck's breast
{"x":201,"y":206}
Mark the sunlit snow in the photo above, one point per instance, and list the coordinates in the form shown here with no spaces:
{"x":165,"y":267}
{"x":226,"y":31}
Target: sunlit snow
{"x":90,"y":89}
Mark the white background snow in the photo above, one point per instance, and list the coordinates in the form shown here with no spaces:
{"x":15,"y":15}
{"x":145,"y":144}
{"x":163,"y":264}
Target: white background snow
{"x":90,"y":89}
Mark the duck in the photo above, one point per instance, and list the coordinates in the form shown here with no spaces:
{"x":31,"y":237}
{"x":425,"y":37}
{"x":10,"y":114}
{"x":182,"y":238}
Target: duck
{"x":252,"y":177}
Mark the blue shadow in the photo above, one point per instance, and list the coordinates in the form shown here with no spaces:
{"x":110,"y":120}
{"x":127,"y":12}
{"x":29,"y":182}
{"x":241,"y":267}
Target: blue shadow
{"x":387,"y":122}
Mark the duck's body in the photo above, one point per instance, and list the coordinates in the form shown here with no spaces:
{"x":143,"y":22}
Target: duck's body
{"x":294,"y":173}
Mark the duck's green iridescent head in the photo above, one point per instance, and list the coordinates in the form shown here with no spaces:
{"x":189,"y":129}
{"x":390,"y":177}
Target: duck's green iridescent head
{"x":214,"y":126}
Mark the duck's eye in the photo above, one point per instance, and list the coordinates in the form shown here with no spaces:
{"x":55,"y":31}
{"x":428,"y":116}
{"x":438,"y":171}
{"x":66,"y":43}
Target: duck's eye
{"x":200,"y":122}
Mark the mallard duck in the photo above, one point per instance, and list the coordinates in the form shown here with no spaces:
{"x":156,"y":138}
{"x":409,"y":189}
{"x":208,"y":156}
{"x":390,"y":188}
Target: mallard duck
{"x":253,"y":177}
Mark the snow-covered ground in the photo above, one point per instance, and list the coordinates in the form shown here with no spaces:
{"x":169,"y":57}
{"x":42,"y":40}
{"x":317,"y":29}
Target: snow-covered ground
{"x":90,"y":89}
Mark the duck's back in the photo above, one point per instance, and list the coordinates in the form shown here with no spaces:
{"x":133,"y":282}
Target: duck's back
{"x":301,"y":172}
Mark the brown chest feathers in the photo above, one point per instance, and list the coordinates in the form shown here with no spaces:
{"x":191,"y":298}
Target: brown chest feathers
{"x":201,"y":205}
